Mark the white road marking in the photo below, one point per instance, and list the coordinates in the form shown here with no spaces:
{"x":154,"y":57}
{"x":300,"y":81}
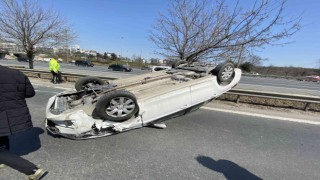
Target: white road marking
{"x":263,"y":116}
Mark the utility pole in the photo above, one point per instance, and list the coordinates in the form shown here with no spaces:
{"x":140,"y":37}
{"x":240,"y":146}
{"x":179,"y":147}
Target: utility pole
{"x":240,"y":57}
{"x":121,"y":45}
{"x":67,"y":47}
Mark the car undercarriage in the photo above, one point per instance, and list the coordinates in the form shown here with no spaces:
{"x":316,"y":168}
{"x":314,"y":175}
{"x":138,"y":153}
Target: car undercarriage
{"x":97,"y":108}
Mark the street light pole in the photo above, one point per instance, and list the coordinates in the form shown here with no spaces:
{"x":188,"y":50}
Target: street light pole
{"x":67,"y":45}
{"x":67,"y":53}
{"x":121,"y":45}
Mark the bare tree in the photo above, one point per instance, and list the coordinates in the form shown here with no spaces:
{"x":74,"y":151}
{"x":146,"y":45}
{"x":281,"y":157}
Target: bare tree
{"x":256,"y":60}
{"x":201,"y":29}
{"x":137,"y":60}
{"x":26,"y":23}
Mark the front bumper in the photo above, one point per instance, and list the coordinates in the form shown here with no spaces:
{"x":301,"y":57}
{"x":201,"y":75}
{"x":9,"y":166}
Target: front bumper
{"x":70,"y":122}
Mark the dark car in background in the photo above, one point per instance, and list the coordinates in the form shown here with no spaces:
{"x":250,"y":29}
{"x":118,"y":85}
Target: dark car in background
{"x":84,"y":63}
{"x":120,"y":67}
{"x":23,"y":59}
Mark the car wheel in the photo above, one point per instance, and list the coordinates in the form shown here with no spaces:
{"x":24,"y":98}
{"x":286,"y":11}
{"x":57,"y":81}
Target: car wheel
{"x":117,"y":106}
{"x":224,"y":72}
{"x":87,"y":82}
{"x":178,"y":63}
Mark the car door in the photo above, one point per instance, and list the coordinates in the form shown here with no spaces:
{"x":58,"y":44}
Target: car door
{"x":165,"y":105}
{"x":203,"y":91}
{"x":118,"y":68}
{"x":121,"y":68}
{"x":114,"y":67}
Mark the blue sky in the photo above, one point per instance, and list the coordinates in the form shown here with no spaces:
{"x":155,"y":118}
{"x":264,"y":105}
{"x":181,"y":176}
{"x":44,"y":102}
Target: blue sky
{"x":122,"y":27}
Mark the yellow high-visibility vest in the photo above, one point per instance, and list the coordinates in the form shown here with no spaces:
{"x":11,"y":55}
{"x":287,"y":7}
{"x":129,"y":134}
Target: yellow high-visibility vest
{"x":54,"y":65}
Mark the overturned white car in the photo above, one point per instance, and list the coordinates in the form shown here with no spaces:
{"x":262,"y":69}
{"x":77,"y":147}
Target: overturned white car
{"x":97,"y":109}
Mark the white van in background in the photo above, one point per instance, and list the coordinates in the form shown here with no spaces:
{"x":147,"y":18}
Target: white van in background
{"x":48,"y":59}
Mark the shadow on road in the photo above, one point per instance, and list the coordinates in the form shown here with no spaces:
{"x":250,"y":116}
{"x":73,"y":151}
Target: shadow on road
{"x":26,"y":142}
{"x":230,"y":170}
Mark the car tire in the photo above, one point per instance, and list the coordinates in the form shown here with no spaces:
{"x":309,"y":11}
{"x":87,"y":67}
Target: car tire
{"x":224,"y":72}
{"x":85,"y":82}
{"x":178,"y":63}
{"x":118,"y":106}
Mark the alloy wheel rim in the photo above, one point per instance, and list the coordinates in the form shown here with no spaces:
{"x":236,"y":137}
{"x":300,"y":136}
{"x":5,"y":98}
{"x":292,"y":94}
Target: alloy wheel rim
{"x":227,"y":72}
{"x":120,"y":107}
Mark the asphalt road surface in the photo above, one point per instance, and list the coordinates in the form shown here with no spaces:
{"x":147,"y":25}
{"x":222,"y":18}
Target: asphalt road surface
{"x":204,"y":144}
{"x":252,"y":83}
{"x":279,"y":86}
{"x":286,"y":85}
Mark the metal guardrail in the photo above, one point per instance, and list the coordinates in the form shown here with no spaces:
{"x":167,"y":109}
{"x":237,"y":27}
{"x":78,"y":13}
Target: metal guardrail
{"x":65,"y":76}
{"x":239,"y":92}
{"x":290,"y":97}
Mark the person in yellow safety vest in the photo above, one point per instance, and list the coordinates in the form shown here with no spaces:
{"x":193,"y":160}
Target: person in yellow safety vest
{"x":54,"y":67}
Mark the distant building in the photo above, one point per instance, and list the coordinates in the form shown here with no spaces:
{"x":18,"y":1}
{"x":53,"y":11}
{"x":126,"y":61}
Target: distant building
{"x":154,"y":61}
{"x":167,"y":62}
{"x":108,"y":55}
{"x":144,"y":60}
{"x":11,"y":47}
{"x":44,"y":50}
{"x":91,"y":52}
{"x":76,"y":49}
{"x":14,"y":48}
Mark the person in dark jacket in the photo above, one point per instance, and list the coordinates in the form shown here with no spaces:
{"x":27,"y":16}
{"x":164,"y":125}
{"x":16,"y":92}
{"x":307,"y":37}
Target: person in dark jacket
{"x":14,"y":118}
